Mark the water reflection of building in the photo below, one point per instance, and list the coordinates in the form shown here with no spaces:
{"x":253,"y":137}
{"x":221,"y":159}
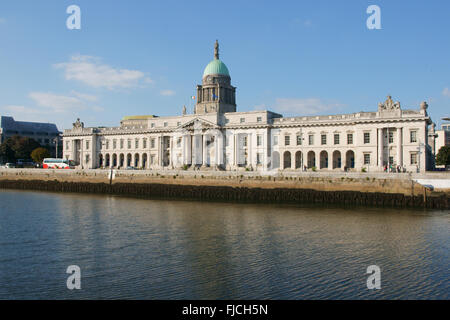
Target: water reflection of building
{"x":217,"y":136}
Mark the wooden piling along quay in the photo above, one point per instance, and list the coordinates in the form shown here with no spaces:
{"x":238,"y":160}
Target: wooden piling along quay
{"x":235,"y":194}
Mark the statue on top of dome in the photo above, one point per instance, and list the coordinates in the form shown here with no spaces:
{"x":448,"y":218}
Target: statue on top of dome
{"x":216,"y":50}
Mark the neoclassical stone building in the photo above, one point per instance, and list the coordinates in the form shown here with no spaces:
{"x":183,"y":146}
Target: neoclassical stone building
{"x":218,"y":137}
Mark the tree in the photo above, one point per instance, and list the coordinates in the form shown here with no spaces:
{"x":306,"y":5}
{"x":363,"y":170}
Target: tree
{"x":24,"y":146}
{"x":17,"y":147}
{"x":443,"y":156}
{"x":39,"y":154}
{"x":7,"y":154}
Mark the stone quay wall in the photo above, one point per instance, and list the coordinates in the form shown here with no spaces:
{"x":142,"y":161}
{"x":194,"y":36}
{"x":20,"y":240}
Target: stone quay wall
{"x":373,"y":189}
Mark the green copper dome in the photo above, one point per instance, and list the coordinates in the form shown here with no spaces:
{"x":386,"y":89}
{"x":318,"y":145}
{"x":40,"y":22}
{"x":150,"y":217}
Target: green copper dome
{"x":216,"y":67}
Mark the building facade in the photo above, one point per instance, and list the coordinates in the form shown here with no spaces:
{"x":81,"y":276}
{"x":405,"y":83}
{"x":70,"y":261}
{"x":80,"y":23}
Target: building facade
{"x":442,"y":137}
{"x":47,"y":134}
{"x":217,"y":136}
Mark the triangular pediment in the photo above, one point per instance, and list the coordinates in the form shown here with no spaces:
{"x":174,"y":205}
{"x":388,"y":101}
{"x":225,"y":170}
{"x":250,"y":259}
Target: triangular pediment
{"x":198,"y":124}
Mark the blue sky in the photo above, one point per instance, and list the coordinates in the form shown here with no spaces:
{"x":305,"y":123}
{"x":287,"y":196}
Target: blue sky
{"x":146,"y":57}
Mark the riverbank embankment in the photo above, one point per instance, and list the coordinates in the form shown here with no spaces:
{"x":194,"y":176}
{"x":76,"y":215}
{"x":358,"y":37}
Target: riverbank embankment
{"x":374,"y":189}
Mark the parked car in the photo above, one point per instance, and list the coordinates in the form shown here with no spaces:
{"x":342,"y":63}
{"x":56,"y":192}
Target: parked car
{"x":8,"y":165}
{"x":21,"y":163}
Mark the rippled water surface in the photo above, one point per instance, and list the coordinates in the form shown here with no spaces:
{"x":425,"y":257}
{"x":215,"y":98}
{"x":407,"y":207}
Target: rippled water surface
{"x":145,"y":249}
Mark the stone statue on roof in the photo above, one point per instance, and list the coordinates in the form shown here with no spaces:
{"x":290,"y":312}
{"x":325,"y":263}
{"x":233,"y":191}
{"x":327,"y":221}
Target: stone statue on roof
{"x":389,"y":105}
{"x":78,"y":124}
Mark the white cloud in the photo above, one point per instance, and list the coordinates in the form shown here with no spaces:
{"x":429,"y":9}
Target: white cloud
{"x":84,"y":96}
{"x":260,"y":107}
{"x":167,"y":93}
{"x":56,"y":103}
{"x":21,"y":110}
{"x":298,"y":22}
{"x":446,"y":92}
{"x":307,"y":23}
{"x":55,"y":108}
{"x":92,"y":72}
{"x":98,"y":109}
{"x":308,"y":106}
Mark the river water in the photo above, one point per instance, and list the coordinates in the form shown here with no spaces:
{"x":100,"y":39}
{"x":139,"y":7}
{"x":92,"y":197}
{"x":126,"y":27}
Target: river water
{"x":130,"y":248}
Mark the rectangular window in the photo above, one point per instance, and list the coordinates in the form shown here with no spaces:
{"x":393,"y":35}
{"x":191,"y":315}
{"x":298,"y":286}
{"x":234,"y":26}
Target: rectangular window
{"x":275,"y":140}
{"x":259,"y":140}
{"x":107,"y":144}
{"x":366,"y":158}
{"x":391,"y":137}
{"x":259,"y":119}
{"x":87,"y":145}
{"x":129,"y":144}
{"x":245,"y":141}
{"x":152,"y":143}
{"x":136,"y":144}
{"x":121,"y":143}
{"x":242,"y":120}
{"x":336,"y":139}
{"x":144,"y":142}
{"x":414,"y":158}
{"x":287,"y":140}
{"x":311,"y":139}
{"x":152,"y":125}
{"x":114,"y":144}
{"x":350,"y":138}
{"x":413,"y":136}
{"x":179,"y":143}
{"x":67,"y":144}
{"x":391,"y":160}
{"x":299,"y":140}
{"x":165,"y":124}
{"x":259,"y":158}
{"x":366,"y":137}
{"x":324,"y":139}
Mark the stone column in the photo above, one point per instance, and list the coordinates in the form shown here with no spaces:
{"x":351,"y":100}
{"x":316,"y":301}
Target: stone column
{"x":380,"y":148}
{"x":400,"y":146}
{"x":183,"y":149}
{"x":293,"y":159}
{"x":220,"y":149}
{"x":195,"y":144}
{"x":216,"y":149}
{"x":250,"y":149}
{"x":72,"y":152}
{"x":189,"y":149}
{"x":171,"y":155}
{"x":204,"y":151}
{"x":160,"y":147}
{"x":236,"y":150}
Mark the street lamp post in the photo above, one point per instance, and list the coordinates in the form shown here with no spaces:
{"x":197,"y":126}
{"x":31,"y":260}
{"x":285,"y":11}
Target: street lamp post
{"x":419,"y":149}
{"x":56,"y":146}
